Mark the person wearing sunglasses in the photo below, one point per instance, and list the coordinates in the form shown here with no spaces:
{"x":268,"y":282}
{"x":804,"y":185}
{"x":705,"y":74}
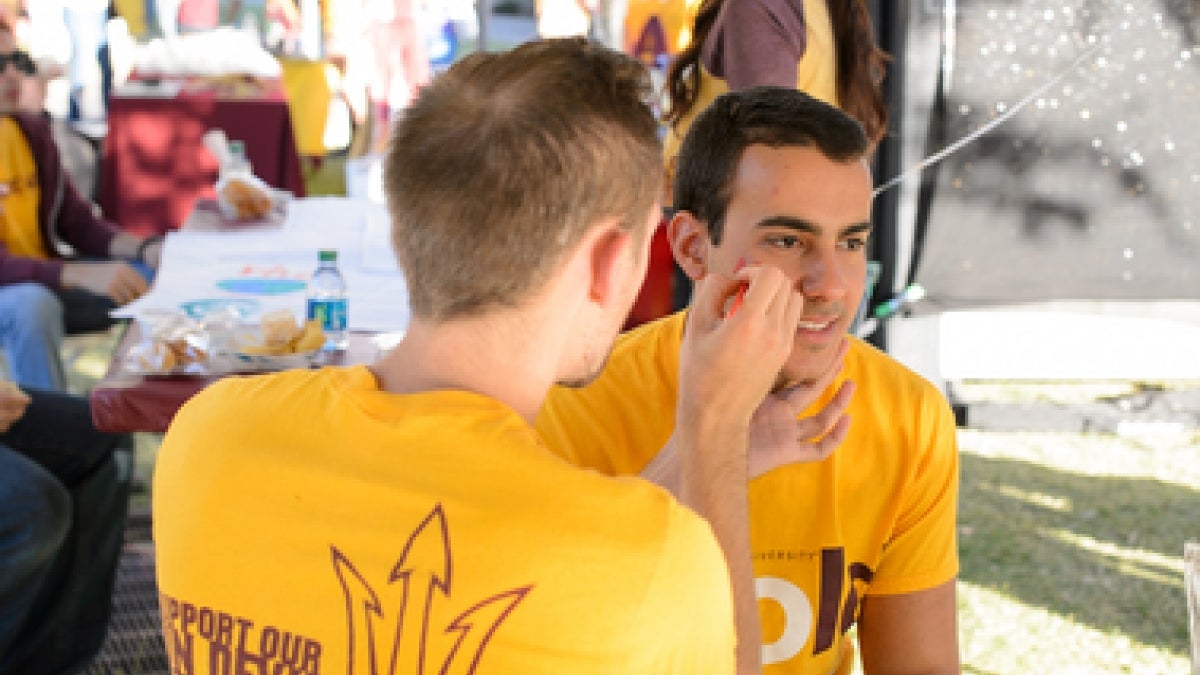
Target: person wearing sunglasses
{"x":62,"y":267}
{"x":19,"y":59}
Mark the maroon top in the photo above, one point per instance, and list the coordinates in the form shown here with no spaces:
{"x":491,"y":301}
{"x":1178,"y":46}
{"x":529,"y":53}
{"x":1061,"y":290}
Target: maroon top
{"x":63,"y":215}
{"x":756,"y":43}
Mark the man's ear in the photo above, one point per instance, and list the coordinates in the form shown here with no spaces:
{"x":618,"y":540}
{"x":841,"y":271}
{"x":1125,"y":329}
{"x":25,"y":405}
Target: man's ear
{"x":689,"y":244}
{"x":612,"y":261}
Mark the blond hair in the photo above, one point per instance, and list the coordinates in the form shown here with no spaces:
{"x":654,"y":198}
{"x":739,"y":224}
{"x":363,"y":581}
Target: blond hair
{"x":503,"y":162}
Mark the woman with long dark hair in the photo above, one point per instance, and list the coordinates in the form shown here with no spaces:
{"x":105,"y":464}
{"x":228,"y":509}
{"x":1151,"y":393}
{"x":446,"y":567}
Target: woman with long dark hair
{"x":826,"y":48}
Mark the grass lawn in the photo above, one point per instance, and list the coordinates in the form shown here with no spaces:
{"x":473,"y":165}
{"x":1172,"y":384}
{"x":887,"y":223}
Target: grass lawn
{"x":1072,"y":551}
{"x":1071,"y":543}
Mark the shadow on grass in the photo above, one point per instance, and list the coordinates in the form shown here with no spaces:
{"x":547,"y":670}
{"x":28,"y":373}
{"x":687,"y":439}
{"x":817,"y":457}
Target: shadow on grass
{"x":1093,"y":548}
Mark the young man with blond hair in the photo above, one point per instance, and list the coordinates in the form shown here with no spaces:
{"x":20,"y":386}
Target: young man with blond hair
{"x":406,"y":516}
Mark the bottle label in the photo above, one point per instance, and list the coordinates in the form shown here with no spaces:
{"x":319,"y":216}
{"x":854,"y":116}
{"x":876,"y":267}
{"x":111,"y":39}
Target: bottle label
{"x":331,"y":313}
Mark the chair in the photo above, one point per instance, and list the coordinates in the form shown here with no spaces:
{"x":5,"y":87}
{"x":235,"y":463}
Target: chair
{"x":80,"y":156}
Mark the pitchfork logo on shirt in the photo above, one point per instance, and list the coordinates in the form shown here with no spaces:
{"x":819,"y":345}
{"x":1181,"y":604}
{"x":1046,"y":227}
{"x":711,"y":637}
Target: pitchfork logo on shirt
{"x":16,"y":186}
{"x":390,"y":630}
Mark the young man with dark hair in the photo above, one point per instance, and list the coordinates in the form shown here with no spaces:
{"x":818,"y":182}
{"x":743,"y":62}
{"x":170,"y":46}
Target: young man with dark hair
{"x":864,"y":534}
{"x":62,"y":267}
{"x":63,"y":500}
{"x":406,"y":516}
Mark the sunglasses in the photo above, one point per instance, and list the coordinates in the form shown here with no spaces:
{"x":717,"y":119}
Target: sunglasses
{"x":19,"y":59}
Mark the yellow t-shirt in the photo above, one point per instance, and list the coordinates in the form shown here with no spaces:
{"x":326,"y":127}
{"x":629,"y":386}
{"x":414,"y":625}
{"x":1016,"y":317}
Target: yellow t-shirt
{"x":816,"y":67}
{"x":309,"y":518}
{"x":875,"y":518}
{"x":19,"y":194}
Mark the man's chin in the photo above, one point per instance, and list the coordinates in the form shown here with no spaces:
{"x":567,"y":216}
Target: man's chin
{"x":804,"y":368}
{"x":581,"y":381}
{"x":578,"y":382}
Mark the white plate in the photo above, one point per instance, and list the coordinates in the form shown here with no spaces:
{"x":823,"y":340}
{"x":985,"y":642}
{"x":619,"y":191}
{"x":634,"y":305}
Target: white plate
{"x":276,"y":361}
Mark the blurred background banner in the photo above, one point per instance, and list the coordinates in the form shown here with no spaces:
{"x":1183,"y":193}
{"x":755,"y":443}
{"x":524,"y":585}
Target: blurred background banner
{"x":1090,"y":192}
{"x":1064,"y":243}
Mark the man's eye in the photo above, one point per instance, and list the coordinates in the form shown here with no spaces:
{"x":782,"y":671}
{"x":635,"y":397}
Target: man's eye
{"x":783,"y":241}
{"x":854,"y":244}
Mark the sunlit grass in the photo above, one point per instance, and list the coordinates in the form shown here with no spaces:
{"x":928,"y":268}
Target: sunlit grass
{"x":1001,"y":634}
{"x":1133,"y":561}
{"x":1071,"y":544}
{"x":1072,"y":551}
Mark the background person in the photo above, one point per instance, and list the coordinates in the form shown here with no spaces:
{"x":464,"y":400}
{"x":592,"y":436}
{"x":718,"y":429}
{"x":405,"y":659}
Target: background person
{"x":563,"y":18}
{"x":380,"y":48}
{"x":63,"y":502}
{"x":521,"y":216}
{"x":826,"y":48}
{"x":44,"y":291}
{"x":863,"y":535}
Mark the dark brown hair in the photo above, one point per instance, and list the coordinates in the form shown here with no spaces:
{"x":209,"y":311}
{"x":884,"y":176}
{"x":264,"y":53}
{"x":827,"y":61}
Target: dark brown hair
{"x":504,"y":161}
{"x":772,"y":116}
{"x":860,"y":65}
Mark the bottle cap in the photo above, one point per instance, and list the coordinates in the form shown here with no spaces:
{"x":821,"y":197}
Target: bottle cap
{"x":327,"y":255}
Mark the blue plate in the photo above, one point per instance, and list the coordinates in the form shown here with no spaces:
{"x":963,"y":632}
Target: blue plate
{"x":278,"y":361}
{"x":256,"y":286}
{"x":198,"y":309}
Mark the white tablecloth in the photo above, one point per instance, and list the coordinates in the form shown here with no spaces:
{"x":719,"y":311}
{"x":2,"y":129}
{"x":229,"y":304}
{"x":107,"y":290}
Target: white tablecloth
{"x":196,"y":264}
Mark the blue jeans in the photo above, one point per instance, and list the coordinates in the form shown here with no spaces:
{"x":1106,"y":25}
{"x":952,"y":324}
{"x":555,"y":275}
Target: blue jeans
{"x":63,"y":501}
{"x":31,"y":335}
{"x":33,"y":321}
{"x":35,"y":516}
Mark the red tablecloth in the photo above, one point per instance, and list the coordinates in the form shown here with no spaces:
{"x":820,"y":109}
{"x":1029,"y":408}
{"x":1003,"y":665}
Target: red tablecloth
{"x":155,"y":165}
{"x":125,"y":402}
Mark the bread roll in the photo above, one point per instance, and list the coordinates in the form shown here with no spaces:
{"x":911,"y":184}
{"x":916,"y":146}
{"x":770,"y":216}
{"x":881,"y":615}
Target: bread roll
{"x":249,"y":201}
{"x":279,"y":328}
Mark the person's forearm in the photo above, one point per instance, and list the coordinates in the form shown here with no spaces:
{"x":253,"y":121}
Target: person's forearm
{"x":124,"y":246}
{"x":713,"y":477}
{"x":663,"y":470}
{"x":146,"y":250}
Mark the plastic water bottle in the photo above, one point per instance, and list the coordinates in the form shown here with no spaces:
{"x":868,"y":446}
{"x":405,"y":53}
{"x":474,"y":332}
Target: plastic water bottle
{"x":237,"y":160}
{"x":327,"y":300}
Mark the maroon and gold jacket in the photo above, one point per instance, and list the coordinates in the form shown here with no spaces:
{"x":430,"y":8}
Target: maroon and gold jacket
{"x":64,"y":217}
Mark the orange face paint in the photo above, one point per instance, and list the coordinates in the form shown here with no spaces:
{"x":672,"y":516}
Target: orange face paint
{"x":741,"y":293}
{"x":737,"y":300}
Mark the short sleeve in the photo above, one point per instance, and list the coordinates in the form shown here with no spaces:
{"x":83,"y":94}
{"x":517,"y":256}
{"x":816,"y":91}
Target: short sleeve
{"x":687,"y":616}
{"x":923,"y":549}
{"x":757,"y":43}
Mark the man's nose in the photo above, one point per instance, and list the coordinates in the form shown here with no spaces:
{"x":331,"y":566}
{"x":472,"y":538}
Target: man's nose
{"x":822,"y":277}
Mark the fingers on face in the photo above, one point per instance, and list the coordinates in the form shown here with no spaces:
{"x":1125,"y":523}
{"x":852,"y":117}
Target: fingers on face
{"x":839,"y":360}
{"x":762,"y":292}
{"x":772,"y":295}
{"x":823,"y":423}
{"x":825,"y":445}
{"x":713,"y":294}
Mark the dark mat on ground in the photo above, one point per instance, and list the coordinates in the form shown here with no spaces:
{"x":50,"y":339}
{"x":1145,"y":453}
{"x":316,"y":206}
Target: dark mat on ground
{"x":134,"y":643}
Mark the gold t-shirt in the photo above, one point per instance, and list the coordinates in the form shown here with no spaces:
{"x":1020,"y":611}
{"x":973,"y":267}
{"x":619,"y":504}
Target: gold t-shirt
{"x":875,"y":518}
{"x":19,"y":194}
{"x":309,"y":519}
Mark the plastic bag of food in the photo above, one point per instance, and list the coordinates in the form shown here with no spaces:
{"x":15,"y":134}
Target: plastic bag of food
{"x":171,"y":343}
{"x":243,"y":196}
